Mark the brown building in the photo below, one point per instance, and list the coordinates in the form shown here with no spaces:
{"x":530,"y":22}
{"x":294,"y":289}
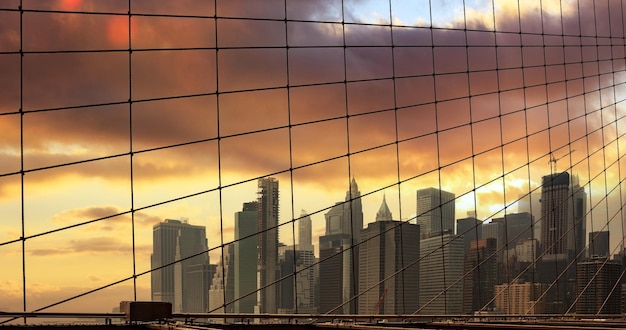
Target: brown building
{"x":521,"y":298}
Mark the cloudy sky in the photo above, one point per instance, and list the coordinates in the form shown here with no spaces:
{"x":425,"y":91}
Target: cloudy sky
{"x":468,"y":99}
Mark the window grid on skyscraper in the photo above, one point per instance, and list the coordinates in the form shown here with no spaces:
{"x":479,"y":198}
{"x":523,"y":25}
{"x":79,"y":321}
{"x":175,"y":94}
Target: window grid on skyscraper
{"x":118,"y":115}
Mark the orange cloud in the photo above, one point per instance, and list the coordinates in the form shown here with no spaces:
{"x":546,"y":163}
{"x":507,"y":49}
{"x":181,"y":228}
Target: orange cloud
{"x":117,"y":31}
{"x":93,"y":245}
{"x":108,"y":217}
{"x":70,"y":4}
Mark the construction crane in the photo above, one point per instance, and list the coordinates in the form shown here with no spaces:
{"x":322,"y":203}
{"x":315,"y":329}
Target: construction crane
{"x":554,"y":160}
{"x":380,"y":302}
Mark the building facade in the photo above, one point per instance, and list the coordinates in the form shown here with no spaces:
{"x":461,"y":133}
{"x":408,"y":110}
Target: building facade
{"x":563,"y":217}
{"x":222,"y":290}
{"x":388,"y":266}
{"x":517,"y":227}
{"x":245,"y":258}
{"x":267,"y":246}
{"x":201,"y":275}
{"x":339,"y":254}
{"x":440,"y":275}
{"x":563,"y":235}
{"x":599,"y":244}
{"x":480,"y":268}
{"x":435,"y":212}
{"x":346,"y":217}
{"x":599,"y":290}
{"x":305,"y":231}
{"x":179,"y":252}
{"x":521,"y":298}
{"x":471,"y":229}
{"x":297,"y":289}
{"x":336,"y":275}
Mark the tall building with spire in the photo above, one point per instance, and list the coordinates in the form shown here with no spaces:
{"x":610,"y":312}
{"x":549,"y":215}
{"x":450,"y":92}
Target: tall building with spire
{"x":221,"y":292}
{"x":353,"y":210}
{"x":388,"y":266}
{"x":346,"y":217}
{"x":435,"y":212}
{"x":305,"y":232}
{"x":384,"y":214}
{"x":267,"y":246}
{"x":339,"y":253}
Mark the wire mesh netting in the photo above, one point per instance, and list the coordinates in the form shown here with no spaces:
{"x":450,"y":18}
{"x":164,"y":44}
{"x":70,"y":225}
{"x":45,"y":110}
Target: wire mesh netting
{"x":453,"y":157}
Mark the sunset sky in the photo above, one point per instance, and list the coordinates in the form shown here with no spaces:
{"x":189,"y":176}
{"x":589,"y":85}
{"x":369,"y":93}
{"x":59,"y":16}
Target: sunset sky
{"x":468,"y":100}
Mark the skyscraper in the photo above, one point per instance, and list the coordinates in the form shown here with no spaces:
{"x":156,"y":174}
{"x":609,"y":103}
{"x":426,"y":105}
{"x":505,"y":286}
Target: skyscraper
{"x":389,"y":247}
{"x":245,"y":257}
{"x":479,"y":283}
{"x":297,"y":294}
{"x":267,"y":265}
{"x":201,"y":275}
{"x":336,"y":275}
{"x":353,"y":218}
{"x":521,"y":298}
{"x":563,"y":234}
{"x":346,"y":217}
{"x":531,"y":203}
{"x":344,"y":222}
{"x":305,"y":232}
{"x":471,"y":229}
{"x":305,"y":258}
{"x":177,"y":283}
{"x":598,"y":288}
{"x":578,"y":207}
{"x":441,"y":270}
{"x":435,"y":212}
{"x":496,"y":231}
{"x":563,"y":209}
{"x":222,"y":288}
{"x":518,"y":227}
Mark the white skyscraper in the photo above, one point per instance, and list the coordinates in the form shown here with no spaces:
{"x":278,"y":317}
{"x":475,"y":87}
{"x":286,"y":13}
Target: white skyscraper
{"x":222,"y":288}
{"x":305,"y":232}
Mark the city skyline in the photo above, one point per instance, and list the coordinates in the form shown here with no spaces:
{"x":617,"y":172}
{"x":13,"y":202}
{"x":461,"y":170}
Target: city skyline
{"x":116,"y":118}
{"x":452,"y":287}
